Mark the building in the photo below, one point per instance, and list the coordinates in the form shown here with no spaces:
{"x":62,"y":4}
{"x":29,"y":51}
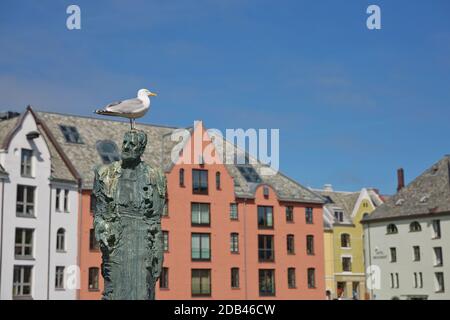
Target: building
{"x":229,"y":231}
{"x":407,"y":239}
{"x":39,"y":213}
{"x":343,"y":238}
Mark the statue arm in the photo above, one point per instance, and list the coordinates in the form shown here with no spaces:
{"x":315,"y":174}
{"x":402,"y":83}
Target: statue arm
{"x":101,"y":227}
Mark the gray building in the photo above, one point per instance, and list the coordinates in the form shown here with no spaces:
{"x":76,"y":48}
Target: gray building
{"x":407,"y":239}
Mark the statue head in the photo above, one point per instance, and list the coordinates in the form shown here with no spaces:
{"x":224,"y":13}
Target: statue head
{"x":133,"y":146}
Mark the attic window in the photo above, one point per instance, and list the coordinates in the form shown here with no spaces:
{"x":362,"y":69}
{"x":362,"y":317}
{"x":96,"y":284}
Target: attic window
{"x":71,"y":134}
{"x":249,"y":173}
{"x":108,"y":151}
{"x":399,"y":202}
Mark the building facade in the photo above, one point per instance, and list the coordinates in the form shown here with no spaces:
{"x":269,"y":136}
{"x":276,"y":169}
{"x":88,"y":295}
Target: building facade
{"x":343,"y":236}
{"x":39,"y":215}
{"x":407,"y":239}
{"x":230,"y":232}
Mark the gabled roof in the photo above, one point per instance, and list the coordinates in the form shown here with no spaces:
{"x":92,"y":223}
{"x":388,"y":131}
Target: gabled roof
{"x":79,"y":159}
{"x":59,"y":169}
{"x":339,"y":201}
{"x":428,"y":194}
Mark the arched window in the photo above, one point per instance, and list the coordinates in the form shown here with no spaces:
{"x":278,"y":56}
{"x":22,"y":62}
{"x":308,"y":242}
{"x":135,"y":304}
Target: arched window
{"x":181,"y":177}
{"x":60,"y":239}
{"x":415,"y":227}
{"x":345,"y":240}
{"x":218,"y":180}
{"x":391,"y":229}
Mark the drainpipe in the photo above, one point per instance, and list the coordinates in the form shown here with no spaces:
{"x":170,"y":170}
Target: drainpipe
{"x":1,"y":233}
{"x":370,"y":257}
{"x":80,"y":235}
{"x":49,"y":241}
{"x":245,"y":249}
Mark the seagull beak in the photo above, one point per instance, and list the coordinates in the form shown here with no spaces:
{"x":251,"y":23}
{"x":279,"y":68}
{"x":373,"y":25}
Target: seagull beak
{"x":152,"y":94}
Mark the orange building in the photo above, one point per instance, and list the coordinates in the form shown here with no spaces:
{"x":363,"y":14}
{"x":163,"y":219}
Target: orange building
{"x":230,"y":232}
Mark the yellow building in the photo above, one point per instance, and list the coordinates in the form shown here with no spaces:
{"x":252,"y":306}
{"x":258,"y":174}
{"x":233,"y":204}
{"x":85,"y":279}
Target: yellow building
{"x":343,"y":240}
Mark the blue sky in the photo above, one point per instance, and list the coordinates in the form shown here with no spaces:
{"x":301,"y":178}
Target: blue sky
{"x":352,"y":105}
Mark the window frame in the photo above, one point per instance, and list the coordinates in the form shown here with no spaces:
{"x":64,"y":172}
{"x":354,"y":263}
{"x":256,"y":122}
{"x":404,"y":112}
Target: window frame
{"x":206,"y":274}
{"x":93,"y":279}
{"x":26,"y":163}
{"x":25,"y":203}
{"x":262,"y":274}
{"x":201,"y":237}
{"x":263,"y":217}
{"x":203,"y":185}
{"x":200,"y":214}
{"x":263,"y":251}
{"x":18,"y":286}
{"x":23,"y":245}
{"x":309,"y":215}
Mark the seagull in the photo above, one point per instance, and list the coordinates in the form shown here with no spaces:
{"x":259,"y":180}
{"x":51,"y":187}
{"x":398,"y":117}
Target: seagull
{"x":130,"y":108}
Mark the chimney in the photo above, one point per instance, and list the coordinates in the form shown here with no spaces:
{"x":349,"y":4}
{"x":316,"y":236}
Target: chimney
{"x":400,"y":179}
{"x":328,"y":187}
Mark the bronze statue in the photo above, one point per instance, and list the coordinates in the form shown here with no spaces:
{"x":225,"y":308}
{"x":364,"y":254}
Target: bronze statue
{"x":130,"y":198}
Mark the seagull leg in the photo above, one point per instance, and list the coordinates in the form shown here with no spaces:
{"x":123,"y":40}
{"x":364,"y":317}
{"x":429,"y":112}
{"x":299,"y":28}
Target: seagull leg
{"x":131,"y":123}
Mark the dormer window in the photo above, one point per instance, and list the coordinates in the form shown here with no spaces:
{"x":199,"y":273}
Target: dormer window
{"x":71,"y":134}
{"x":391,"y":229}
{"x":108,"y":151}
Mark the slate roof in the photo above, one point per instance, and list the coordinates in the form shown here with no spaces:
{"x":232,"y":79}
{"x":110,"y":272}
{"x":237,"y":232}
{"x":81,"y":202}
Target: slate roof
{"x":84,"y":156}
{"x":339,"y":201}
{"x":428,"y":194}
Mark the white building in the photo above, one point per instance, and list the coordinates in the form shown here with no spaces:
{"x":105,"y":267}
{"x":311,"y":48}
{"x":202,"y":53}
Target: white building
{"x":407,"y":239}
{"x":39,"y":214}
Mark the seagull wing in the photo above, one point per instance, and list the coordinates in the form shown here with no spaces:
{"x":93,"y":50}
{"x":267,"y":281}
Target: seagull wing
{"x":125,"y":106}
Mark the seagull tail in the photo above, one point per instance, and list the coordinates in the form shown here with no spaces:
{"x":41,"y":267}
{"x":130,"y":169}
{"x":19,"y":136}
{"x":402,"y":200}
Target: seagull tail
{"x":103,"y":112}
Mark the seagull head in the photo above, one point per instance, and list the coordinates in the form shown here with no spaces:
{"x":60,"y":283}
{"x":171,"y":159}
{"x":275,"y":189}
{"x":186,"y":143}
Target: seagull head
{"x":145,"y":92}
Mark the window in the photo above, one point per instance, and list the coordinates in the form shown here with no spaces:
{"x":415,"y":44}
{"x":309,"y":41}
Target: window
{"x":234,"y":242}
{"x":58,"y":200}
{"x":22,"y":281}
{"x":201,"y":282}
{"x":24,"y":243}
{"x":249,"y":173}
{"x":165,"y":212}
{"x":311,"y":278}
{"x":200,"y":214}
{"x":289,"y":214}
{"x":108,"y":151}
{"x":436,"y":229}
{"x":66,"y":200}
{"x":438,"y":257}
{"x":201,"y":246}
{"x":290,"y":244}
{"x":93,"y":243}
{"x":181,"y":177}
{"x":25,"y":201}
{"x":393,"y":252}
{"x":345,"y":240}
{"x":164,"y":278}
{"x":339,"y":216}
{"x":93,"y":278}
{"x":92,"y":202}
{"x":265,"y":217}
{"x":200,"y":181}
{"x":416,"y":253}
{"x":309,"y":215}
{"x":234,"y":211}
{"x":266,"y":191}
{"x":394,"y":281}
{"x":60,"y":239}
{"x":235,"y":278}
{"x":310,"y":245}
{"x":59,"y":278}
{"x":418,"y":280}
{"x":439,"y":281}
{"x":26,"y":159}
{"x":266,"y":282}
{"x":346,"y":264}
{"x":218,"y":180}
{"x":291,"y":278}
{"x":415,"y":227}
{"x":391,"y":229}
{"x":165,"y":240}
{"x":71,"y":134}
{"x":266,"y":248}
